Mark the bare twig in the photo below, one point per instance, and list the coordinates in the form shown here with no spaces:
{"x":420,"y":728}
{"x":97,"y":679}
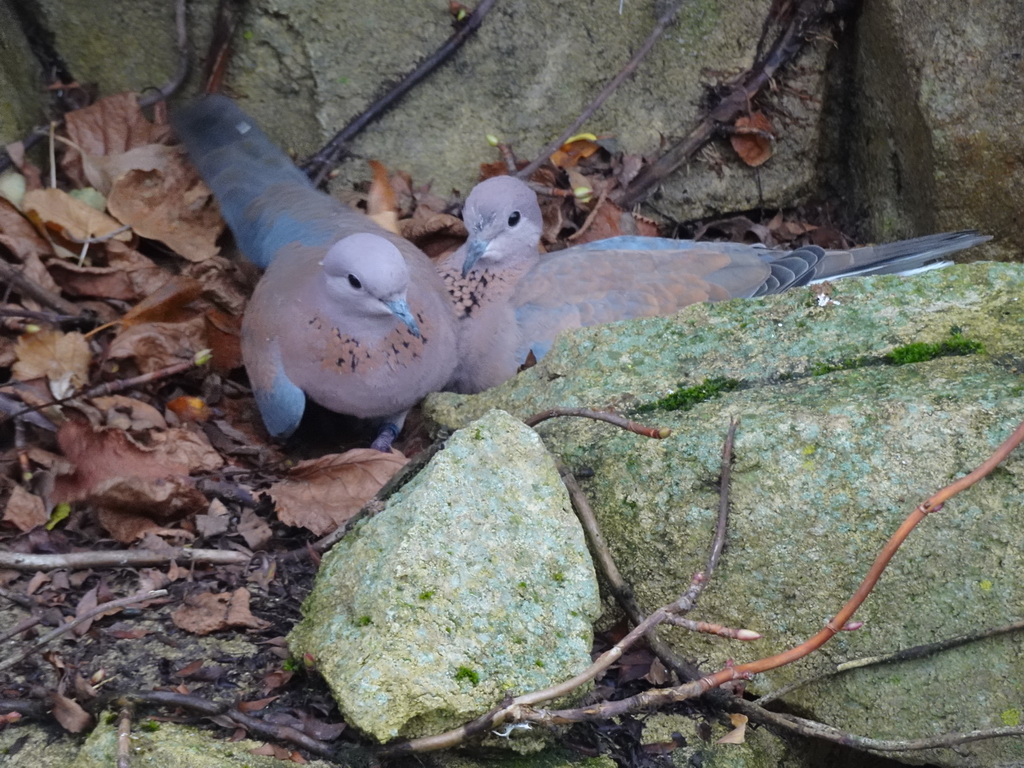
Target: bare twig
{"x":658,"y":433}
{"x":133,"y":558}
{"x":907,"y":654}
{"x":172,"y":85}
{"x":659,"y":28}
{"x":15,"y":409}
{"x":64,"y":628}
{"x":323,"y":162}
{"x":112,"y":387}
{"x":737,"y":102}
{"x":229,"y":16}
{"x":701,"y":580}
{"x":31,"y":290}
{"x":834,"y":735}
{"x":216,"y":709}
{"x":14,"y":597}
{"x":124,"y":737}
{"x":43,"y":317}
{"x":520,"y":704}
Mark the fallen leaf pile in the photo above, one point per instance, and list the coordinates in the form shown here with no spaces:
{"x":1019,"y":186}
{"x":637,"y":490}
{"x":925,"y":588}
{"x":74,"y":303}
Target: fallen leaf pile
{"x":132,"y":286}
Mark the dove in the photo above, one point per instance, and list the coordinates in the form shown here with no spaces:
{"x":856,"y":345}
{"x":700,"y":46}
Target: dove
{"x":346,"y":313}
{"x":512,"y":300}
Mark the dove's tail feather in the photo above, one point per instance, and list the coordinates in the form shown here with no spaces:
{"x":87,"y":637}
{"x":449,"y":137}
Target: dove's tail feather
{"x":265,"y":199}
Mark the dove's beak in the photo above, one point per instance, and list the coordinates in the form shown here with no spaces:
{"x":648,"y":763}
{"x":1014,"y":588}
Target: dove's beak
{"x":474,"y":250}
{"x":400,"y":309}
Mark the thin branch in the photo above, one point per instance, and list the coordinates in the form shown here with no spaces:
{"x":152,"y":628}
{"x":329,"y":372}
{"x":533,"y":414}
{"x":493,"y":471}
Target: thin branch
{"x":99,"y":610}
{"x":513,"y":710}
{"x":787,"y":45}
{"x":172,"y":85}
{"x":44,"y":317}
{"x":15,"y":597}
{"x":834,"y":735}
{"x":124,"y":737}
{"x":226,"y":22}
{"x":31,"y":290}
{"x":215,"y":709}
{"x":323,"y":162}
{"x":658,"y":433}
{"x":907,"y":654}
{"x":659,"y":28}
{"x":113,"y":387}
{"x":132,"y":558}
{"x":932,"y":504}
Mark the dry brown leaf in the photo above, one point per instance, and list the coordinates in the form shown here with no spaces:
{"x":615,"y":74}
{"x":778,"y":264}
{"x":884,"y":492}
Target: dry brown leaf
{"x":157,"y":345}
{"x":100,"y":282}
{"x":56,"y":355}
{"x":215,"y":521}
{"x":129,"y":413}
{"x":103,"y":170}
{"x":19,"y":236}
{"x":434,"y":233}
{"x":167,"y":304}
{"x":321,"y":494}
{"x":226,"y":283}
{"x":128,"y":275}
{"x":132,"y":506}
{"x":68,"y":218}
{"x":100,"y":454}
{"x":110,"y":126}
{"x":224,"y":340}
{"x":257,"y":705}
{"x":209,"y":612}
{"x":24,"y":510}
{"x":739,"y":732}
{"x":69,"y":714}
{"x":254,"y":530}
{"x":87,"y":603}
{"x":753,"y":148}
{"x":187,"y":446}
{"x":170,"y":204}
{"x":606,"y":221}
{"x":380,"y":202}
{"x":280,"y":753}
{"x":570,"y":153}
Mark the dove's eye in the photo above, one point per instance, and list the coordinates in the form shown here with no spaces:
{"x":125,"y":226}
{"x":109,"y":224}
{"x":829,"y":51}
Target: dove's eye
{"x":513,"y":218}
{"x":354,"y":282}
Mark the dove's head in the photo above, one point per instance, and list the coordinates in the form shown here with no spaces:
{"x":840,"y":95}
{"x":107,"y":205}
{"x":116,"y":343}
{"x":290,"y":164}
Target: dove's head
{"x":366,"y":278}
{"x":504,"y":222}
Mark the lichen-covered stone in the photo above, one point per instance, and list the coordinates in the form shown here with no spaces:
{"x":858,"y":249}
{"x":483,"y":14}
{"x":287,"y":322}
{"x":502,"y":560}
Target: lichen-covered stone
{"x":170,"y":745}
{"x":826,"y":467}
{"x":474,"y":583}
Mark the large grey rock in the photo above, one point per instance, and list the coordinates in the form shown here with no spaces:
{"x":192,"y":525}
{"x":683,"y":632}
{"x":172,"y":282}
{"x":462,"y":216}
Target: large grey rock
{"x":826,"y":468}
{"x":525,"y":75}
{"x":170,"y":745}
{"x":911,"y":116}
{"x":936,"y":116}
{"x":23,"y":104}
{"x":474,"y":583}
